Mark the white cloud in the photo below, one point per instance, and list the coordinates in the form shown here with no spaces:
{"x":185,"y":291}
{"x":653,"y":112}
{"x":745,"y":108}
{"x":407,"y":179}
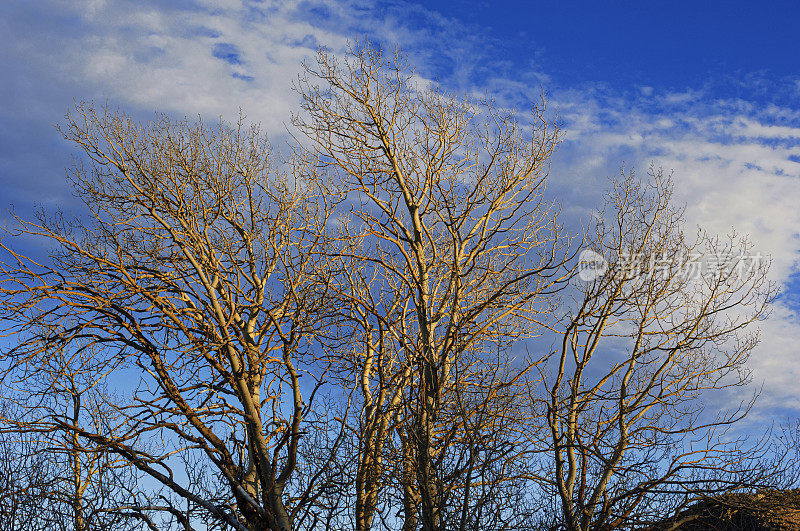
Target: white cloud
{"x":735,"y":161}
{"x":735,"y":166}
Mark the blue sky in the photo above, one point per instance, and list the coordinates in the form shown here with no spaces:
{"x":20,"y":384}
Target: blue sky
{"x":668,"y":44}
{"x":708,"y":89}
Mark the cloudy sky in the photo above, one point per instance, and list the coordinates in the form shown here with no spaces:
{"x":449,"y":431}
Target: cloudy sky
{"x":712,"y":93}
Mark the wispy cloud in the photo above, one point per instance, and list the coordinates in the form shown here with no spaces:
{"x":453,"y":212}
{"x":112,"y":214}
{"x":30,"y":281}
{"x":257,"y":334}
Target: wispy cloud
{"x":735,"y":167}
{"x":735,"y":159}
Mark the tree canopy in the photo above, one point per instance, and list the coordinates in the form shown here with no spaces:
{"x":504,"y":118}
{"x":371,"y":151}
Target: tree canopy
{"x":336,"y":338}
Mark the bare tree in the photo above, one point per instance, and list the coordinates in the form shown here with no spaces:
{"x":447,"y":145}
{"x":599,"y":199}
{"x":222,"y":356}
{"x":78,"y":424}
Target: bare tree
{"x":82,"y":487}
{"x":453,"y":254}
{"x":660,"y":322}
{"x":24,"y":471}
{"x":197,"y":269}
{"x":336,"y":339}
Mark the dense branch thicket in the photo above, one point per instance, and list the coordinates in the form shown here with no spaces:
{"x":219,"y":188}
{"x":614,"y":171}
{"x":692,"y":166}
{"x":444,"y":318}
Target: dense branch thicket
{"x":199,"y":269}
{"x":660,"y":325}
{"x":452,"y":255}
{"x":336,"y":339}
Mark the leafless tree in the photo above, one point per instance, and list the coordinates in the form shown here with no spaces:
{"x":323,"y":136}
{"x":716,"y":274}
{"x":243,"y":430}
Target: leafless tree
{"x":196,"y":269}
{"x":660,"y":322}
{"x":82,"y":487}
{"x":453,"y":254}
{"x":23,"y":483}
{"x":335,"y":339}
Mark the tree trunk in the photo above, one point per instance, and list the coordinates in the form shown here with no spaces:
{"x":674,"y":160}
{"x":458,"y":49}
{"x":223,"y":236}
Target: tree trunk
{"x":410,"y":492}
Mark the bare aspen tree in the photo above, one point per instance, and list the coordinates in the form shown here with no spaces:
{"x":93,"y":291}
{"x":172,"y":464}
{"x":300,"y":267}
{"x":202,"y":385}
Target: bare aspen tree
{"x":196,"y":268}
{"x":337,"y":339}
{"x":24,"y":472}
{"x":660,"y":322}
{"x":82,"y":486}
{"x":454,"y":254}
